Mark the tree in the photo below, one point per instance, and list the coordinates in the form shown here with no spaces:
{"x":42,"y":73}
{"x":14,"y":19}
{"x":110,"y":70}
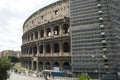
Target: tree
{"x":13,"y":59}
{"x":83,"y":77}
{"x":5,"y":65}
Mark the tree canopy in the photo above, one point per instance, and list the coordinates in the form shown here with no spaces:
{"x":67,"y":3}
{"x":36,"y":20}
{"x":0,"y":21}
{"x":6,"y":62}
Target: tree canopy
{"x":5,"y":65}
{"x":13,"y":59}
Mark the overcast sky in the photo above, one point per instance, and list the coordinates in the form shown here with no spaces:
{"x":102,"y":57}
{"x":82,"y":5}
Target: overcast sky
{"x":13,"y":13}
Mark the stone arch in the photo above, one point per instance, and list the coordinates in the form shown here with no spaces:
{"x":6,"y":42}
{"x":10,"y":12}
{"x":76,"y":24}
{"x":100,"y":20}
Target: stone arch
{"x":41,"y":33}
{"x":24,"y":51}
{"x":40,"y":65}
{"x":27,"y":64}
{"x":34,"y":65}
{"x":32,"y":36}
{"x":56,"y":30}
{"x":35,"y":50}
{"x":65,"y":28}
{"x":48,"y":48}
{"x":48,"y":31}
{"x":66,"y":47}
{"x":27,"y":50}
{"x":30,"y":64}
{"x":66,"y":66}
{"x":28,"y":38}
{"x":36,"y":35}
{"x":41,"y":49}
{"x":56,"y":48}
{"x":30,"y":50}
{"x":56,"y":64}
{"x":47,"y":66}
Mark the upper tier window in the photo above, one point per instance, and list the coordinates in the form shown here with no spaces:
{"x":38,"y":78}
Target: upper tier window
{"x":56,"y":11}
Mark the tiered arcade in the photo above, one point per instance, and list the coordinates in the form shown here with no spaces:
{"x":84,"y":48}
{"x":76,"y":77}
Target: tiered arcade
{"x":46,"y":38}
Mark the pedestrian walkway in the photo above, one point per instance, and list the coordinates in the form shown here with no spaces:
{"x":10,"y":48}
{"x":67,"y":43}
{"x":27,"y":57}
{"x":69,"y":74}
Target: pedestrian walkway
{"x":17,"y":76}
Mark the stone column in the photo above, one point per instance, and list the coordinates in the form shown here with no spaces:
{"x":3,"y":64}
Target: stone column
{"x":45,"y":33}
{"x":32,"y":67}
{"x":52,"y":52}
{"x":60,"y":29}
{"x":44,"y":49}
{"x":52,"y":31}
{"x":28,"y":51}
{"x":60,"y":65}
{"x":38,"y":34}
{"x":38,"y":50}
{"x":44,"y":65}
{"x":32,"y":52}
{"x":37,"y":67}
{"x":61,"y":51}
{"x":33,"y":36}
{"x":51,"y":65}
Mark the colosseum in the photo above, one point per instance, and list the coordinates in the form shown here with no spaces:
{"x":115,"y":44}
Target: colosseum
{"x":46,"y":38}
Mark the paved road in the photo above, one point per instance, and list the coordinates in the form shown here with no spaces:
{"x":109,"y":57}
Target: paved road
{"x":23,"y":77}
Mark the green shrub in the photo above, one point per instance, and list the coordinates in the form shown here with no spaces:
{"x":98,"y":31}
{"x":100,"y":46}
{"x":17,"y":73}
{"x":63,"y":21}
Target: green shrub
{"x":83,"y":77}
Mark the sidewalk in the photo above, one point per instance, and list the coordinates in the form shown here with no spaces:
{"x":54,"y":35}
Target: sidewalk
{"x":22,"y":76}
{"x":16,"y":76}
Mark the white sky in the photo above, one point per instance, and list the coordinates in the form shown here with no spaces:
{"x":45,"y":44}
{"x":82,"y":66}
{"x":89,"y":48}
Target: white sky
{"x":13,"y":14}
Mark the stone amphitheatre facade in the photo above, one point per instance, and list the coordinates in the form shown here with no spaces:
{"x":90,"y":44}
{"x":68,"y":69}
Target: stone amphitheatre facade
{"x":46,"y":38}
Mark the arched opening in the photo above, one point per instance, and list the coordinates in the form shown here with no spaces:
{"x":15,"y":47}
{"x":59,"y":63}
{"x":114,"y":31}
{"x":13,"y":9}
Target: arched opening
{"x":56,"y":30}
{"x":48,"y":32}
{"x":35,"y":50}
{"x":32,"y":36}
{"x":24,"y":51}
{"x":36,"y":35}
{"x":66,"y":66}
{"x":66,"y":47}
{"x":27,"y":51}
{"x":41,"y":49}
{"x":56,"y":48}
{"x":41,"y":33}
{"x":65,"y":29}
{"x":34,"y":65}
{"x":31,"y":50}
{"x":24,"y":64}
{"x":27,"y":63}
{"x":56,"y":64}
{"x":40,"y":66}
{"x":28,"y":38}
{"x":47,"y":65}
{"x":56,"y":12}
{"x":30,"y":65}
{"x":48,"y":48}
